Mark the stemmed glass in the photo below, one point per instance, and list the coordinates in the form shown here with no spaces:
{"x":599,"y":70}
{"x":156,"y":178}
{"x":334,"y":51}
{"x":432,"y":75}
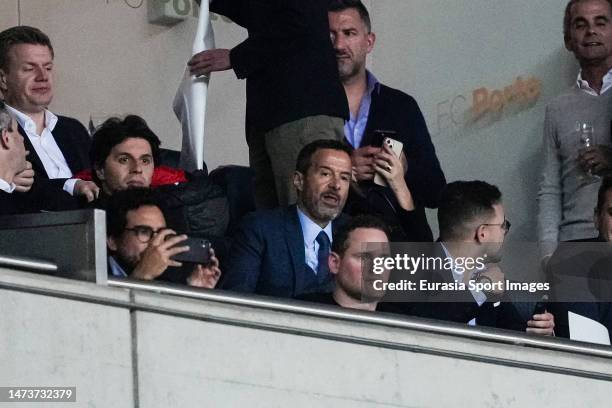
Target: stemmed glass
{"x":585,"y":139}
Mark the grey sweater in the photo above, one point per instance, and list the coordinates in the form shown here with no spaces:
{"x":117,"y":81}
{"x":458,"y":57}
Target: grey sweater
{"x":565,"y":199}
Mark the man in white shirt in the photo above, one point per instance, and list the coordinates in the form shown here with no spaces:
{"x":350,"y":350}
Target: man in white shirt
{"x":58,"y":145}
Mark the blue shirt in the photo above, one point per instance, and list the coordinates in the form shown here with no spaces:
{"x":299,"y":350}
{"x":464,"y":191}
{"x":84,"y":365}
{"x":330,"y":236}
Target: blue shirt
{"x":310,"y":230}
{"x":356,"y":126}
{"x":115,"y":269}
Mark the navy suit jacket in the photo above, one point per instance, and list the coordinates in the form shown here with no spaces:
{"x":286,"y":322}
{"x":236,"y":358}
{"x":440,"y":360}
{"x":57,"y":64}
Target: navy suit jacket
{"x":267,"y":256}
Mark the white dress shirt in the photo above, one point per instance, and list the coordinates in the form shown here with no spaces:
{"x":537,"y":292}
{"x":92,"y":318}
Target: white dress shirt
{"x":6,"y":187}
{"x":46,"y":147}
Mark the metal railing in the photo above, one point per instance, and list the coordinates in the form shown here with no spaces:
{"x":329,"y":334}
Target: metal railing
{"x":381,"y":319}
{"x":33,"y":265}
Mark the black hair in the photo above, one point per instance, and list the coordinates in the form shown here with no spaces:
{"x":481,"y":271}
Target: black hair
{"x":120,"y":203}
{"x":341,"y":244}
{"x":461,"y":202}
{"x":341,"y":5}
{"x":20,"y":35}
{"x":304,"y":160}
{"x":115,"y":131}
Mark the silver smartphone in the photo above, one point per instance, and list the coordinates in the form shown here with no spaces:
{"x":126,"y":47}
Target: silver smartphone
{"x":396,"y":146}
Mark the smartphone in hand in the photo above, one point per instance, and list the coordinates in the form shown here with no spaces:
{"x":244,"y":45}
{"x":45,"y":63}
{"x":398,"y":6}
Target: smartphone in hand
{"x":199,"y":251}
{"x":396,"y":147}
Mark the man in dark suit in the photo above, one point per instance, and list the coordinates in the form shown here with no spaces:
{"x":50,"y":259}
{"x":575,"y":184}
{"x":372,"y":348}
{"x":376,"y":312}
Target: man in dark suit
{"x":579,"y":272}
{"x":58,"y":145}
{"x":284,"y":252}
{"x":294,"y":95}
{"x":473,"y":227}
{"x":376,"y":107}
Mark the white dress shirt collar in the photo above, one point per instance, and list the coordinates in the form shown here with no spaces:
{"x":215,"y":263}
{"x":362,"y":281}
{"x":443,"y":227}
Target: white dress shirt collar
{"x":28,"y":124}
{"x":6,"y":187}
{"x":584,"y":85}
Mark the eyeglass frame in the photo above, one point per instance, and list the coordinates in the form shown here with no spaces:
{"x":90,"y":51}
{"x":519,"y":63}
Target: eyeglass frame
{"x":505,"y":225}
{"x":138,"y":229}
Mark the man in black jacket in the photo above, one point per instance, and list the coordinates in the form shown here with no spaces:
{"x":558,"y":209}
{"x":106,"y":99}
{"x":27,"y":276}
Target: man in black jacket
{"x":473,"y":227}
{"x":294,"y":95}
{"x":58,"y":145}
{"x":375,"y":107}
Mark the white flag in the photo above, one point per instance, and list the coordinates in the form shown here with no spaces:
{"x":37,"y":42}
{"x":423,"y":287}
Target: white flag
{"x":190,"y":100}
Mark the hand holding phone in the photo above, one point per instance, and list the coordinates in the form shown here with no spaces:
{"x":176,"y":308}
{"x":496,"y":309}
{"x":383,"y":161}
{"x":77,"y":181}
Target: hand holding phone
{"x":396,"y":147}
{"x":198,"y":253}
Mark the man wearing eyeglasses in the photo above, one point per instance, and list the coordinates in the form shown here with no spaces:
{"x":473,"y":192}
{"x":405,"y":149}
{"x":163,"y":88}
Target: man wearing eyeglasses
{"x":140,"y":244}
{"x":473,"y":225}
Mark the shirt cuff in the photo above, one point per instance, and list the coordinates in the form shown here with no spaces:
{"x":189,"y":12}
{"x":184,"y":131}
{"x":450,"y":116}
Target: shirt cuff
{"x":69,"y":186}
{"x":6,"y":187}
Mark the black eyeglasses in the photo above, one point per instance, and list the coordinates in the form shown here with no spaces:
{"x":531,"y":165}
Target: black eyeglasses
{"x":144,"y":233}
{"x":504,"y":225}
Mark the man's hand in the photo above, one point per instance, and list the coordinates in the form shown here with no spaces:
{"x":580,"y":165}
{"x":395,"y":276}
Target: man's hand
{"x":88,"y":189}
{"x":364,"y":166}
{"x":156,"y":258}
{"x":24,"y":179}
{"x":495,"y":276}
{"x":205,"y":62}
{"x":596,"y":159}
{"x":206,"y":276}
{"x":542,"y":324}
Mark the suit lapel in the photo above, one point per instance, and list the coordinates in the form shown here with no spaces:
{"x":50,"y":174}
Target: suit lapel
{"x":295,"y":243}
{"x":66,"y":146}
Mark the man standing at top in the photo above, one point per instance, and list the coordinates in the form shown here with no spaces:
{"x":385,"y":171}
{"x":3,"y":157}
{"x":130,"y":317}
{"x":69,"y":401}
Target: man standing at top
{"x":58,"y":145}
{"x":293,"y":92}
{"x":567,"y":187}
{"x":375,"y":107}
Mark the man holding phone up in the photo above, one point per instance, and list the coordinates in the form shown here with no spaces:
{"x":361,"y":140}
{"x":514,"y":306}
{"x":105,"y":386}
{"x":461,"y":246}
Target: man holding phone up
{"x":376,"y":112}
{"x":142,"y":247}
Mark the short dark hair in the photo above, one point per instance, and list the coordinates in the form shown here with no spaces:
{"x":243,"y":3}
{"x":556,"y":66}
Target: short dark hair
{"x":341,"y":244}
{"x":115,"y":131}
{"x":341,"y":5}
{"x":461,"y":202}
{"x":304,"y":160}
{"x":567,"y":19}
{"x":606,"y":184}
{"x":122,"y":202}
{"x":20,"y":35}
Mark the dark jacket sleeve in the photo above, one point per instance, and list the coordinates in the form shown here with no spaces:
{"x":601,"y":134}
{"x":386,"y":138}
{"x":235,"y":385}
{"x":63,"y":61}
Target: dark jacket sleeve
{"x":277,"y":28}
{"x":245,"y":258}
{"x":415,"y":226}
{"x":392,"y":109}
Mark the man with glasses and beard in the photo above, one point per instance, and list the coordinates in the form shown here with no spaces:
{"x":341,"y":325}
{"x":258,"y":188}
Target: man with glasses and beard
{"x":141,"y":246}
